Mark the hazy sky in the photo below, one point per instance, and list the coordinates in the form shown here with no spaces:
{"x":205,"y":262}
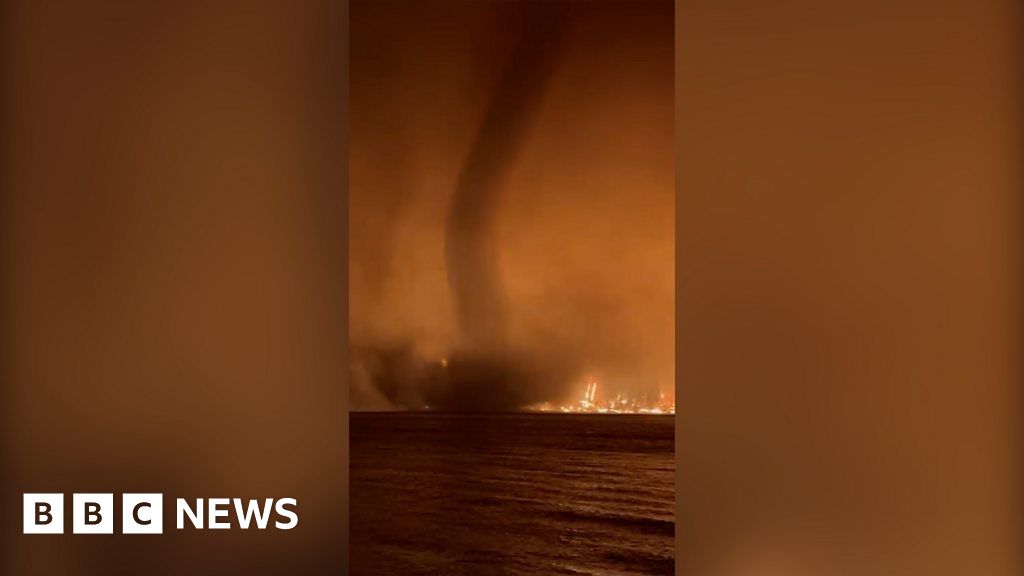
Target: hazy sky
{"x":580,"y":216}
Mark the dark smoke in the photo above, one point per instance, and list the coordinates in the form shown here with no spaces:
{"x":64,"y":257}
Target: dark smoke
{"x":483,"y":373}
{"x":395,"y":377}
{"x":470,"y":249}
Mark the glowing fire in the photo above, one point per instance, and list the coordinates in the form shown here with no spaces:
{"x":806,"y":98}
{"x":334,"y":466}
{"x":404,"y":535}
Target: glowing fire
{"x":589,"y":404}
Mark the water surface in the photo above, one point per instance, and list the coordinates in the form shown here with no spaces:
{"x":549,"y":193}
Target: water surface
{"x":511,"y":494}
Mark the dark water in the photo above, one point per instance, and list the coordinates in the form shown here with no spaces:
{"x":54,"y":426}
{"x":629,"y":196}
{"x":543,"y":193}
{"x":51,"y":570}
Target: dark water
{"x":511,"y":494}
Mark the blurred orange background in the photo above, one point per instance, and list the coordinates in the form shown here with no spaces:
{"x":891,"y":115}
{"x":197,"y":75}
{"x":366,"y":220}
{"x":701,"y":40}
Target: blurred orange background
{"x":172,"y":281}
{"x":848,"y":287}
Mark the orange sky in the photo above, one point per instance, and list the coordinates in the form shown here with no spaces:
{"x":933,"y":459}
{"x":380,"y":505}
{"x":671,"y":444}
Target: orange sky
{"x":584,"y":222}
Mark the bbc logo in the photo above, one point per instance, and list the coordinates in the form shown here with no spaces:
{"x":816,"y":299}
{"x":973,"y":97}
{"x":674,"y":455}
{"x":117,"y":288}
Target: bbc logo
{"x":144,"y":513}
{"x":92,"y":513}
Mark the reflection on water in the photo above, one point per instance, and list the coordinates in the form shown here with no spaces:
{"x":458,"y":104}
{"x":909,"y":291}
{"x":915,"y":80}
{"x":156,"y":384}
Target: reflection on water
{"x":511,"y":494}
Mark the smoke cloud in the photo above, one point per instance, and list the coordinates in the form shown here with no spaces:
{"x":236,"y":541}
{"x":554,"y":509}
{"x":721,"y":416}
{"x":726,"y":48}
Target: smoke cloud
{"x":472,"y":257}
{"x":511,"y":202}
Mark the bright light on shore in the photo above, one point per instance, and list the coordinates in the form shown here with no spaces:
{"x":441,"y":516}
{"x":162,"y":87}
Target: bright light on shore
{"x":590,"y":404}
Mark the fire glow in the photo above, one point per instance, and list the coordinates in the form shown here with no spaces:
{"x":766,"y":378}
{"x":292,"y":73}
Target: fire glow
{"x":590,"y":404}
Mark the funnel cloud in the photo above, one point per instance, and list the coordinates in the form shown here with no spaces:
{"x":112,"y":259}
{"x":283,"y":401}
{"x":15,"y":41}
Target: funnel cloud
{"x":471,"y":251}
{"x":511,"y":202}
